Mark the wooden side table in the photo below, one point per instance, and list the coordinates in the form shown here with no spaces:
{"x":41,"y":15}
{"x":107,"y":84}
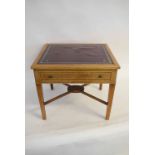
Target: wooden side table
{"x":75,"y":63}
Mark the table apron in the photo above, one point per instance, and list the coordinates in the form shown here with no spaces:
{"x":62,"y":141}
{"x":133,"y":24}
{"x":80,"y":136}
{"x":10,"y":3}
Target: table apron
{"x":108,"y":76}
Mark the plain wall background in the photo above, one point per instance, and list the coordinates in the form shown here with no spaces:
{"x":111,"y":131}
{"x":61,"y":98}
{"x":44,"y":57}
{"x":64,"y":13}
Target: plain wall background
{"x":76,"y":21}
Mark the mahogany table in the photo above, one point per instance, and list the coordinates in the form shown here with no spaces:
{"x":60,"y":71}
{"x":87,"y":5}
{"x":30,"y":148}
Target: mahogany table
{"x":75,"y":63}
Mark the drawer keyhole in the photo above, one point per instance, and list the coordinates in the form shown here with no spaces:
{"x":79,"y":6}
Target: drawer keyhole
{"x":100,"y":76}
{"x":50,"y":76}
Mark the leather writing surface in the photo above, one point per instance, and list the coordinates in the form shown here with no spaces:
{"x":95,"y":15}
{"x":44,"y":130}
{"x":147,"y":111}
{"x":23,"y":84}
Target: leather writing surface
{"x":75,"y":54}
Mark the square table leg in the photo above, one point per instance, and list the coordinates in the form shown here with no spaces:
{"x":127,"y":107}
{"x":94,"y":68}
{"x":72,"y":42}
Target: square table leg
{"x":100,"y":86}
{"x":41,"y":100}
{"x":110,"y":99}
{"x":51,"y":86}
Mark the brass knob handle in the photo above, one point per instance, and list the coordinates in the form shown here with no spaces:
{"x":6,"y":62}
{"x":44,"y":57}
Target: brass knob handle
{"x":50,"y":76}
{"x":100,"y":76}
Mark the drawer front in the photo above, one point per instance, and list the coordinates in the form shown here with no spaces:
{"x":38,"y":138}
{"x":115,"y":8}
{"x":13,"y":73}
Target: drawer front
{"x":75,"y":77}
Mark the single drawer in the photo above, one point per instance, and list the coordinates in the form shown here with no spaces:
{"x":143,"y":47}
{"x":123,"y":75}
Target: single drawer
{"x":74,"y":76}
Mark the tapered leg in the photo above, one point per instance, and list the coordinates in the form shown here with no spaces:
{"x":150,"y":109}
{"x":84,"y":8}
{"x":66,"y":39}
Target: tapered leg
{"x":51,"y":86}
{"x":41,"y":100}
{"x":100,"y":86}
{"x":110,"y":99}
